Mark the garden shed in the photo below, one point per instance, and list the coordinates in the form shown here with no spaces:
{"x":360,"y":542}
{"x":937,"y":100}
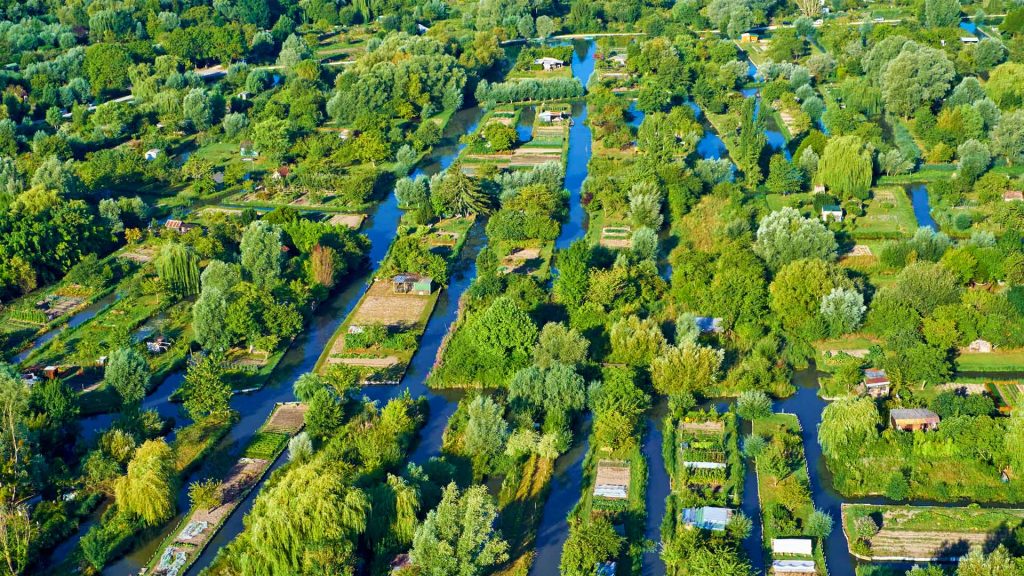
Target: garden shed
{"x":612,"y":480}
{"x":708,"y":517}
{"x":413,"y":284}
{"x":794,"y":546}
{"x":793,"y":567}
{"x":831,"y":212}
{"x":549,"y":63}
{"x":911,"y":419}
{"x":551,"y":116}
{"x":876,"y":382}
{"x":980,"y":346}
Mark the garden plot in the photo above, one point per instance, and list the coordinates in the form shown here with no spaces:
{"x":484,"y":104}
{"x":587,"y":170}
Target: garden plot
{"x":924,"y":533}
{"x":139,"y":255}
{"x":353,"y":221}
{"x":522,"y":261}
{"x":288,"y":418}
{"x":382,"y":305}
{"x":617,"y":237}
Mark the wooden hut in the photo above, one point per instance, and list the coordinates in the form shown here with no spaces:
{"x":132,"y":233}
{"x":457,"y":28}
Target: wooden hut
{"x":876,"y":383}
{"x":912,"y":419}
{"x":413,"y":284}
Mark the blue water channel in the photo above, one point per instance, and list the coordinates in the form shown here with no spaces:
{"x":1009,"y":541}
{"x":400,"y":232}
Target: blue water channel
{"x":922,"y":206}
{"x":567,"y":478}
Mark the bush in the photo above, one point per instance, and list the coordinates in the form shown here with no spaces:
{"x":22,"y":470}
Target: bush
{"x":754,"y":404}
{"x":898,"y":488}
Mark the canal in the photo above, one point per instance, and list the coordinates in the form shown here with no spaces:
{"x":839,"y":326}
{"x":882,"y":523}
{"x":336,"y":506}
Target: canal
{"x":567,"y":479}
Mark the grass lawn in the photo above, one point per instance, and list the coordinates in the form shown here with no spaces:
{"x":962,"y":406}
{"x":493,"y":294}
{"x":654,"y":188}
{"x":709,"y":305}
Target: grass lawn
{"x":999,"y":360}
{"x":889,"y":214}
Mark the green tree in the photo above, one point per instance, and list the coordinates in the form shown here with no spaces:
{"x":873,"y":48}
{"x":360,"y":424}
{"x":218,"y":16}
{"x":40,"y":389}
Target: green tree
{"x":486,"y":432}
{"x":148,"y":489}
{"x":325,"y":415}
{"x":559,"y":345}
{"x":262,"y":257}
{"x":205,"y":392}
{"x":455,"y":193}
{"x":589,"y":544}
{"x":573,"y":280}
{"x":751,"y":141}
{"x":459,"y":538}
{"x":753,"y":404}
{"x":127,"y":372}
{"x":848,"y":424}
{"x":1008,"y":137}
{"x":783,"y":176}
{"x":106,"y":67}
{"x":919,"y":75}
{"x":178,"y":268}
{"x":973,"y":159}
{"x":939,"y":13}
{"x":785,"y":236}
{"x":796,"y":295}
{"x":1006,"y":85}
{"x":636,"y":342}
{"x":818,"y":525}
{"x":209,"y":323}
{"x":205,"y":494}
{"x":271,"y":137}
{"x":846,"y":167}
{"x":500,"y":137}
{"x":689,"y":368}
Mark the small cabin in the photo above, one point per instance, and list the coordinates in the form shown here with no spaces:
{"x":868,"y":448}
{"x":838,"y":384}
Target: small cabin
{"x":793,"y":567}
{"x":152,"y":154}
{"x":980,"y":346}
{"x":612,"y":480}
{"x":913,"y":419}
{"x":422,"y":29}
{"x":551,"y":117}
{"x":413,"y":284}
{"x":549,"y":63}
{"x":876,"y":383}
{"x":793,"y":546}
{"x":819,"y":188}
{"x":969,"y":40}
{"x":619,"y":60}
{"x":831,"y":212}
{"x":708,"y":517}
{"x":1013,"y":196}
{"x":179,"y":226}
{"x":247,"y":151}
{"x":51,"y":372}
{"x":748,"y":38}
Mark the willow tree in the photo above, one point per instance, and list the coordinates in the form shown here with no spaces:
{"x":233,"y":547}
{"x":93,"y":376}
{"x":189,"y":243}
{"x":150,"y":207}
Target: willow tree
{"x":148,"y":490}
{"x":178,"y":268}
{"x":846,"y":424}
{"x":846,"y":167}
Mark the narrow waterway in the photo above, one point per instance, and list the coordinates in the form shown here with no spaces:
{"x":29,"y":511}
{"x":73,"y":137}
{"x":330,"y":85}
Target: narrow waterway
{"x":659,"y":486}
{"x":567,"y":480}
{"x":808,"y":406}
{"x":922,"y":205}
